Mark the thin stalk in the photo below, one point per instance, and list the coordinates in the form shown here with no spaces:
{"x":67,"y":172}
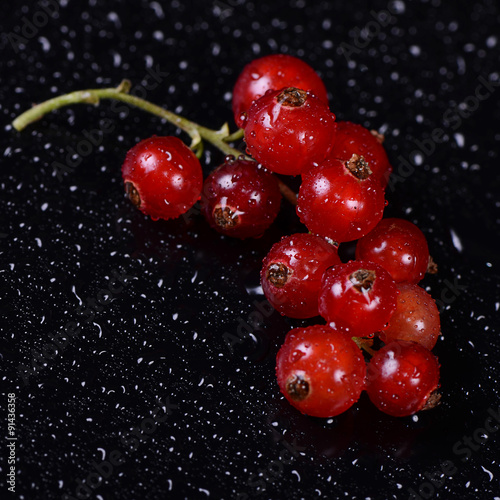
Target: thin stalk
{"x":218,"y":138}
{"x":364,"y":344}
{"x":93,"y":96}
{"x":235,"y":136}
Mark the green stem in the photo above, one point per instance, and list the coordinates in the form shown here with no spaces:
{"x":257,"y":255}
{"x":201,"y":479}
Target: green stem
{"x":93,"y":96}
{"x":235,"y":136}
{"x":218,"y":138}
{"x":364,"y":344}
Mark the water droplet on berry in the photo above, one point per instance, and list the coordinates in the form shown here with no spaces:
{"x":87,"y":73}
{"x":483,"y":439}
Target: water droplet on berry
{"x":296,"y":355}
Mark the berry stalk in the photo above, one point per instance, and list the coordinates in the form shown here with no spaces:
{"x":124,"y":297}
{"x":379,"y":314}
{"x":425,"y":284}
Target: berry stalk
{"x":218,"y":138}
{"x":365,"y":344}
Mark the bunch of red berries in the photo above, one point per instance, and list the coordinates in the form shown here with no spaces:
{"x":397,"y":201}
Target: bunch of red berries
{"x":282,"y":106}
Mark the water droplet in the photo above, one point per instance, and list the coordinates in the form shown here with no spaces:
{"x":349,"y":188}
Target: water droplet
{"x":296,"y":355}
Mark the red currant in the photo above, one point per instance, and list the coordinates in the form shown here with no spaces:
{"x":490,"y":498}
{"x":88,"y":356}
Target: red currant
{"x":340,"y":200}
{"x":398,"y":246}
{"x":289,"y":130}
{"x":352,"y":138}
{"x":240,"y":199}
{"x":402,"y":379}
{"x":273,"y":72}
{"x":162,"y":176}
{"x":357,"y":297}
{"x":291,"y":273}
{"x":416,"y":317}
{"x":320,"y":371}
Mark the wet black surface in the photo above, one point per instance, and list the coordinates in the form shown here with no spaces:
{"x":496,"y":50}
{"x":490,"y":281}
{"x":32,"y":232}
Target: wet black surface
{"x":225,"y":430}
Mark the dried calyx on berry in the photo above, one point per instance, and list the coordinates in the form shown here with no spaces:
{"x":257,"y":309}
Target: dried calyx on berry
{"x":292,"y":97}
{"x":432,"y":267}
{"x":433,"y":401}
{"x":358,"y":167}
{"x":278,"y":274}
{"x":297,"y":387}
{"x":362,"y":280}
{"x":225,"y":218}
{"x":133,"y":194}
{"x":353,"y":138}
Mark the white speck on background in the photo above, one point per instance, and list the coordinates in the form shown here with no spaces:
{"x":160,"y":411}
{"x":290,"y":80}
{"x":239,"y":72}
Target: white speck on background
{"x":460,"y":139}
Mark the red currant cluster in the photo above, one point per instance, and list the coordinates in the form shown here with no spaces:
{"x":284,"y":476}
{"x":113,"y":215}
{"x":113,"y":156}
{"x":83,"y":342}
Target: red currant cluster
{"x":281,"y":105}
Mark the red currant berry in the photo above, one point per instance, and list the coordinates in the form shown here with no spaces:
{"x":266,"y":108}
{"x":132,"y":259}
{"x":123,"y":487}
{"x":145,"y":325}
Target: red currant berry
{"x":416,"y":317}
{"x":240,"y":199}
{"x":289,"y":130}
{"x":399,"y":247}
{"x":320,"y":371}
{"x":402,"y":379}
{"x":273,"y":72}
{"x":291,"y":273}
{"x":162,"y":176}
{"x":340,"y":200}
{"x":357,"y":297}
{"x":352,"y":138}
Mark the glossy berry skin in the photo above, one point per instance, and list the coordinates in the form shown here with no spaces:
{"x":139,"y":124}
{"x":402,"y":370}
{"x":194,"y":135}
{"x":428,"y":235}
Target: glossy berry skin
{"x":292,"y":271}
{"x":320,"y":371}
{"x":352,"y":138}
{"x":289,"y":130}
{"x":398,"y":246}
{"x":162,"y":176}
{"x":240,"y":199}
{"x":340,"y":200}
{"x":273,"y":72}
{"x":402,"y":378}
{"x":357,"y":297}
{"x":416,"y":317}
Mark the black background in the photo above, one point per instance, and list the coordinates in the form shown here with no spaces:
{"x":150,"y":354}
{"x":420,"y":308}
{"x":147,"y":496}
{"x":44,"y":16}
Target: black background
{"x":164,"y":335}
